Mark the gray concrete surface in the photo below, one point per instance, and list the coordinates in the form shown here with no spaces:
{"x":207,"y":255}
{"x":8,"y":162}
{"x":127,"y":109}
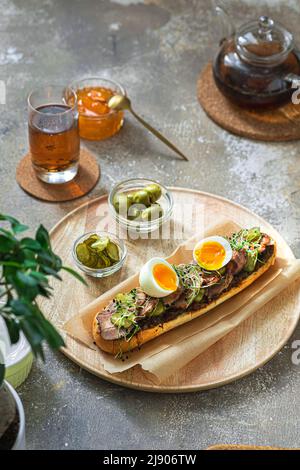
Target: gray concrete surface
{"x":156,"y":50}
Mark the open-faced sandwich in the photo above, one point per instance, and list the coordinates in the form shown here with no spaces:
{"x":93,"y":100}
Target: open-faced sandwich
{"x":170,"y":295}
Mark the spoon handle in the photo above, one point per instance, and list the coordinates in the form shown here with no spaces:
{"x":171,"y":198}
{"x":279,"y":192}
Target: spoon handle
{"x":158,"y":134}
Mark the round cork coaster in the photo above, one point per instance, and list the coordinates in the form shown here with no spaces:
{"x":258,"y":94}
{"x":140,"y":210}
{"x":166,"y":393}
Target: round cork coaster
{"x":280,"y":124}
{"x":85,"y":180}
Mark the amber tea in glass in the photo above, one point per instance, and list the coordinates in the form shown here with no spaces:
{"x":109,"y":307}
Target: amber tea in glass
{"x":53,"y":133}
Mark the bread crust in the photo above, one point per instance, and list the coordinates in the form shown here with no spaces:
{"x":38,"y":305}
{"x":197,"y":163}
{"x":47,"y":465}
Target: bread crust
{"x":143,"y":336}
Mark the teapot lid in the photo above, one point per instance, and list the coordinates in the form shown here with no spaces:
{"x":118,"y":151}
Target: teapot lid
{"x":263,"y":42}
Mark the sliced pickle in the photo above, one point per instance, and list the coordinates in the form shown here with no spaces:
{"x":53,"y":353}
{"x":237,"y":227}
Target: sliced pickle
{"x":98,"y":252}
{"x":105,"y":259}
{"x":91,"y":239}
{"x":100,"y":244}
{"x":159,"y":309}
{"x":199,"y":296}
{"x":82,"y":253}
{"x":100,"y":263}
{"x":112,"y":251}
{"x":93,"y":260}
{"x":122,"y":321}
{"x":121,"y":297}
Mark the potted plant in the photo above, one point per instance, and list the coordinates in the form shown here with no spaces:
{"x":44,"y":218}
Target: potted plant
{"x":25,"y":267}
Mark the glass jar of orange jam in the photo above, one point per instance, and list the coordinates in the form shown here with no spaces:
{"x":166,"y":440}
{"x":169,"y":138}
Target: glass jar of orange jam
{"x":96,"y":120}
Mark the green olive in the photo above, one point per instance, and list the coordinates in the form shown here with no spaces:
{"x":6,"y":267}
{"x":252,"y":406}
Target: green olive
{"x":121,"y":203}
{"x":142,"y":197}
{"x":152,"y":213}
{"x":154,"y":191}
{"x":130,"y":198}
{"x":134,"y":211}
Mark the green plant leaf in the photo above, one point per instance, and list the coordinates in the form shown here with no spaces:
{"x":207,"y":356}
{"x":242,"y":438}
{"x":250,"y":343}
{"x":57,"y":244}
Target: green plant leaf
{"x":39,"y":276}
{"x":75,"y":274}
{"x":34,"y":335}
{"x":8,"y":234}
{"x":11,"y":264}
{"x":30,"y":244}
{"x":16,"y":226}
{"x":26,"y":265}
{"x":42,"y":236}
{"x":6,"y":244}
{"x":52,"y":272}
{"x":13,"y":329}
{"x":53,"y":338}
{"x":27,"y":279}
{"x":30,"y":264}
{"x":20,"y":307}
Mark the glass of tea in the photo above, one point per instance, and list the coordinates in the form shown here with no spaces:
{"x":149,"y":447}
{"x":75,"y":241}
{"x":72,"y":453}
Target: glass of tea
{"x":53,"y":133}
{"x":96,"y":120}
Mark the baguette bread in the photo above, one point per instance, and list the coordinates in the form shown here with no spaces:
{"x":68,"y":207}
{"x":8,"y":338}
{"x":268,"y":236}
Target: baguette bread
{"x":143,"y":336}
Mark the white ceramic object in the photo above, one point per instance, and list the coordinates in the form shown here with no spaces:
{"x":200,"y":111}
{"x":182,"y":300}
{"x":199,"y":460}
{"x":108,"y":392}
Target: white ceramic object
{"x":20,"y":442}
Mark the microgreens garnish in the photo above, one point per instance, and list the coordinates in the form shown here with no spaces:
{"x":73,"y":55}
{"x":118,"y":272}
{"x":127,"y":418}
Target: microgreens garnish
{"x":190,"y":277}
{"x":126,"y":311}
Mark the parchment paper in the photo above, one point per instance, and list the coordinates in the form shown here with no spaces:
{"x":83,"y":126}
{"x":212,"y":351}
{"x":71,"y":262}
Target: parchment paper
{"x":174,"y":349}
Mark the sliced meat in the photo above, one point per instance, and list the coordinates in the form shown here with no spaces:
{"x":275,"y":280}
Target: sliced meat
{"x":237,"y":262}
{"x":181,"y":303}
{"x":171,"y":298}
{"x":148,"y":306}
{"x":140,"y":297}
{"x":110,"y":308}
{"x":106,"y":328}
{"x":217,"y":289}
{"x":264,"y":242}
{"x":209,"y":279}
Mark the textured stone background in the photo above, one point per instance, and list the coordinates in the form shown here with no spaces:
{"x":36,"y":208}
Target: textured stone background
{"x":156,"y":50}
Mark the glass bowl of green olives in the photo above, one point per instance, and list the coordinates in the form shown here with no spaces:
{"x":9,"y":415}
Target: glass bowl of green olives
{"x":99,"y":254}
{"x":140,"y":204}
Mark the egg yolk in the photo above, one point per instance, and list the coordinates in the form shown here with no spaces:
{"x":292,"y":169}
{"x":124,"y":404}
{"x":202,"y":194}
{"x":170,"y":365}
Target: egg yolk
{"x":165,"y":277}
{"x":210,"y":255}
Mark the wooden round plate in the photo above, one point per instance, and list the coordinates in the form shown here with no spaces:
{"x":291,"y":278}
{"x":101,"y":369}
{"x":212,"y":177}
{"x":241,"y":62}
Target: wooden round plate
{"x":239,"y":353}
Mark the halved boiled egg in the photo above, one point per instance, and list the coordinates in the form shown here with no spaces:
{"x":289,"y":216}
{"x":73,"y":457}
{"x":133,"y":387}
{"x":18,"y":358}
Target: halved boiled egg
{"x":158,"y":278}
{"x":212,"y":253}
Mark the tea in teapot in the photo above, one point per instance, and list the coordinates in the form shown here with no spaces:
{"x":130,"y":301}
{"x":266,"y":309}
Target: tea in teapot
{"x":257,"y":64}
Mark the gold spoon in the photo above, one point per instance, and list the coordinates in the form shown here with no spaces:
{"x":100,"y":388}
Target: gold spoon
{"x":122,"y":102}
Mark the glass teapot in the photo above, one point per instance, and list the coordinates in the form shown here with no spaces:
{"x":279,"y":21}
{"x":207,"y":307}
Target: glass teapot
{"x":257,"y":64}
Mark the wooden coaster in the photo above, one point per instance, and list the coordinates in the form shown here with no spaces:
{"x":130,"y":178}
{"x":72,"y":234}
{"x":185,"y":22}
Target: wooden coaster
{"x":280,"y":124}
{"x":85,"y":180}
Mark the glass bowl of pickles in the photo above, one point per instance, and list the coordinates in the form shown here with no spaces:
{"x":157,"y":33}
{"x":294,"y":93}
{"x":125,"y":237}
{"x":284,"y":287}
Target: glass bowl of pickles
{"x":140,"y":204}
{"x":99,"y":254}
